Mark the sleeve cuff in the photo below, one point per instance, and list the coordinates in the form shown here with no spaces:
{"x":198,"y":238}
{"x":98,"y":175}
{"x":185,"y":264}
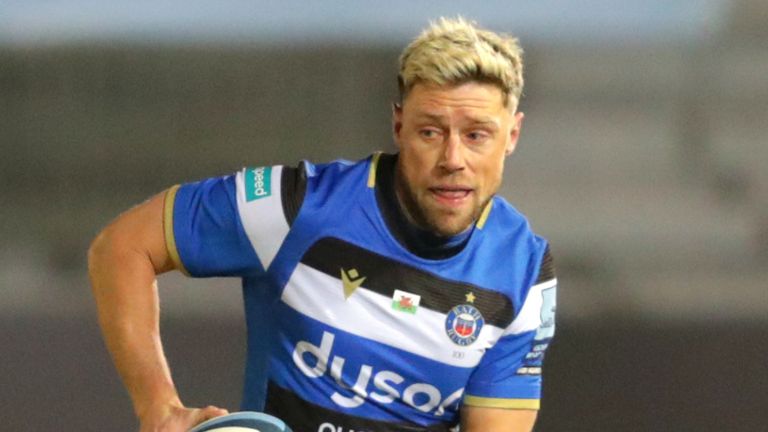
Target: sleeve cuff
{"x":476,"y":401}
{"x":170,"y":238}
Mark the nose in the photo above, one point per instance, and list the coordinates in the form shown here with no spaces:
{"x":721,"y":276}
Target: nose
{"x":453,"y":154}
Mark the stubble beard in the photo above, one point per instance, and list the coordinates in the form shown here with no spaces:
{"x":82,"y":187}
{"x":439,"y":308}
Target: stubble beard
{"x":426,"y":214}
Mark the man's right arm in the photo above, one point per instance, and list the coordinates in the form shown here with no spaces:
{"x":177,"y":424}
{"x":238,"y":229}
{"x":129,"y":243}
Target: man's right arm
{"x":123,"y":262}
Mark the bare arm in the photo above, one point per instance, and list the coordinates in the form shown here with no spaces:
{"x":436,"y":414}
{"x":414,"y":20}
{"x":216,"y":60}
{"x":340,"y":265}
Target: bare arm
{"x":479,"y":419}
{"x":123,"y":262}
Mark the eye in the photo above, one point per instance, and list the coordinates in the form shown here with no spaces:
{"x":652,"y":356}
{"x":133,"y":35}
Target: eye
{"x":429,"y":133}
{"x":477,"y":136}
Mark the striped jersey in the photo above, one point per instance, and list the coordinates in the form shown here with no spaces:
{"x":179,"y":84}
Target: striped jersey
{"x":349,"y":326}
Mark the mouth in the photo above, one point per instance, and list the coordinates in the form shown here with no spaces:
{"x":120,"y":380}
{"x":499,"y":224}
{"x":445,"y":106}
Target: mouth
{"x":452,"y":196}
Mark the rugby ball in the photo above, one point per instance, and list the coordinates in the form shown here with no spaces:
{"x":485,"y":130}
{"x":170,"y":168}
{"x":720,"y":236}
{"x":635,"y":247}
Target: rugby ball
{"x":244,"y":421}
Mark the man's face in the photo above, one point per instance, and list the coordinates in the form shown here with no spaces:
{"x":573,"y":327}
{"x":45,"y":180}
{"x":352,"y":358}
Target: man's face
{"x":453,"y":141}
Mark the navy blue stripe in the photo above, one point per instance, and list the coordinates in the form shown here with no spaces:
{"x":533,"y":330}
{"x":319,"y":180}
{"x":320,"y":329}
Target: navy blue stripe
{"x":305,"y":416}
{"x":383,"y":275}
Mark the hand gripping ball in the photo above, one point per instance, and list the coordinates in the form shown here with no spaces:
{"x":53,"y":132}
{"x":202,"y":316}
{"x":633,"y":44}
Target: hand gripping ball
{"x":244,"y":421}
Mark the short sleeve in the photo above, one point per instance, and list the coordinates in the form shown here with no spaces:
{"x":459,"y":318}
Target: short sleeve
{"x":509,"y":375}
{"x":203,"y":230}
{"x":233,"y":225}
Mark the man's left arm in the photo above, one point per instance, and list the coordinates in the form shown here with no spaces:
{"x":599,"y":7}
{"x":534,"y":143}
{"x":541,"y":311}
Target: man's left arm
{"x":482,"y":419}
{"x":504,"y":391}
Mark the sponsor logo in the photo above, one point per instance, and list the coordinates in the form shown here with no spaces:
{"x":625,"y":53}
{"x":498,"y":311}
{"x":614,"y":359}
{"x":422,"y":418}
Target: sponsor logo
{"x":405,"y":302}
{"x":463,"y":324}
{"x":388,"y":386}
{"x":258,"y":183}
{"x":534,"y":359}
{"x":329,"y":427}
{"x":351,"y":280}
{"x":548,"y":308}
{"x":529,"y":371}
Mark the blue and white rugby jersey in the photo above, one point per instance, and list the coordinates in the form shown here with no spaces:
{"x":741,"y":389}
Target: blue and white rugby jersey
{"x":347,"y":328}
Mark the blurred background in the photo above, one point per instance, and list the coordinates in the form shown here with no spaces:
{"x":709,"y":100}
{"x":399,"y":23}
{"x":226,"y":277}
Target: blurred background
{"x":643,"y":160}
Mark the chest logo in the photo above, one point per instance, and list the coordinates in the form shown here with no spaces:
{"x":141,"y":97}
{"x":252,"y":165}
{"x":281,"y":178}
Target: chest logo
{"x":405,"y":302}
{"x":463,"y":324}
{"x":351,"y":280}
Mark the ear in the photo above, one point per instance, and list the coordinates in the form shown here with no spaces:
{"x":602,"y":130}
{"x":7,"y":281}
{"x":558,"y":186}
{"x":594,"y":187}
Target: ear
{"x":514,"y":133}
{"x":397,"y":122}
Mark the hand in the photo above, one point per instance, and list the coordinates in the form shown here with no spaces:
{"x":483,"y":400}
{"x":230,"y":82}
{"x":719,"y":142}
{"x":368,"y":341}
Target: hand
{"x":178,"y":418}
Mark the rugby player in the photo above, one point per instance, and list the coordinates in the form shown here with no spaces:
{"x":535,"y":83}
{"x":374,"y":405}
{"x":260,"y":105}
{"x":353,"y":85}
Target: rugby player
{"x":395,"y":293}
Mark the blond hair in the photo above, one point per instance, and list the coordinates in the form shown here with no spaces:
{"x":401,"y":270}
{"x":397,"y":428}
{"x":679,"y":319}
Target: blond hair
{"x":454,"y":51}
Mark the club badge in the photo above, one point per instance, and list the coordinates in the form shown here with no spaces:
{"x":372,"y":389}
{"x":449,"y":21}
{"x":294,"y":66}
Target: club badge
{"x":463,"y":324}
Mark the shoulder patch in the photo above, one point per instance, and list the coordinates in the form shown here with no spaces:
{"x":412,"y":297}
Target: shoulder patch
{"x":259,"y":203}
{"x":538,"y":311}
{"x":258,"y":183}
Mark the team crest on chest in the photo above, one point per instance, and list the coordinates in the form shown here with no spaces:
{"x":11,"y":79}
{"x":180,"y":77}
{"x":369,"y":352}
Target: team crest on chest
{"x":463,"y":324}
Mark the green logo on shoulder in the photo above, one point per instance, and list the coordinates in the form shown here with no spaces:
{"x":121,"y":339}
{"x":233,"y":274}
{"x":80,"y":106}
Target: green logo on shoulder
{"x":258,"y":183}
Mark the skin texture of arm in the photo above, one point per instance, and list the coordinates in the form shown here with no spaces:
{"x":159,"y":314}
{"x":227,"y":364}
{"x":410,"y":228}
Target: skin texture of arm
{"x":479,"y":419}
{"x":123,"y":262}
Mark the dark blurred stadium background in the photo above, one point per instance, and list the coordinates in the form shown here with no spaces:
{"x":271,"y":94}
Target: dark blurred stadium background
{"x":643,"y":159}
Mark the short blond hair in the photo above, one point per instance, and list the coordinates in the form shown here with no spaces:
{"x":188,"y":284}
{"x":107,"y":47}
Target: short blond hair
{"x":454,"y":51}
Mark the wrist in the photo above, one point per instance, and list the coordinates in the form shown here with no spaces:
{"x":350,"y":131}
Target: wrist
{"x":156,"y":405}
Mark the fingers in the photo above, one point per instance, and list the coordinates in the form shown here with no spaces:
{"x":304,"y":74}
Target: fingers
{"x":208,"y":413}
{"x":179,"y":419}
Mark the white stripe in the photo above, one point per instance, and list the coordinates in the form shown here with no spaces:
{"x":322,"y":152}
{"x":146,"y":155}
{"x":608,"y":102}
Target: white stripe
{"x":529,"y":317}
{"x":263,"y":218}
{"x":370,"y":315}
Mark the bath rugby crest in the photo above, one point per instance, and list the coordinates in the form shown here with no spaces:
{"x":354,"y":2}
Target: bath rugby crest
{"x":348,"y":326}
{"x":463,"y":324}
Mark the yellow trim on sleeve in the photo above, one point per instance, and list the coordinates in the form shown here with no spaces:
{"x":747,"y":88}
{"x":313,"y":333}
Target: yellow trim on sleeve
{"x":170,"y":238}
{"x":532,"y":404}
{"x":484,"y":215}
{"x":372,"y":170}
